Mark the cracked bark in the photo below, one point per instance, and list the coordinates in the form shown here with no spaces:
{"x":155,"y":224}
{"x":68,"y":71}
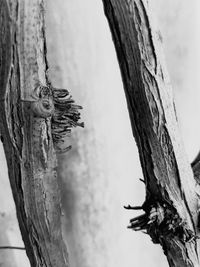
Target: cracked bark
{"x":26,"y":134}
{"x":172,"y":191}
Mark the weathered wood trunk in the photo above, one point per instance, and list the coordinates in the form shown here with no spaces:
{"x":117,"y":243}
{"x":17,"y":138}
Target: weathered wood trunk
{"x":171,"y":204}
{"x":27,"y":106}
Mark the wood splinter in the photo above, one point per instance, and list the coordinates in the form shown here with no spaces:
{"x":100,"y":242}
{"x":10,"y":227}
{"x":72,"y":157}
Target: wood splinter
{"x":129,"y":207}
{"x":65,"y":117}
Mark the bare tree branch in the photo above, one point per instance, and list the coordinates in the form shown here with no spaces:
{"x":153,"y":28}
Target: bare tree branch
{"x":171,"y":204}
{"x":35,"y":118}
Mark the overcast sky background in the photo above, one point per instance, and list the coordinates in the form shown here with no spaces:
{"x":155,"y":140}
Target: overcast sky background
{"x":82,"y":58}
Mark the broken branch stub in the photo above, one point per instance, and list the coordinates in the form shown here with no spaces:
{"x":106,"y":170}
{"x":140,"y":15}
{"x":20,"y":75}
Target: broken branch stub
{"x":61,"y":108}
{"x":66,"y":116}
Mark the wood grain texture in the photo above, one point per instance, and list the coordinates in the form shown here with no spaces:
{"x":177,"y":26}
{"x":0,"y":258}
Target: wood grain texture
{"x":26,"y":135}
{"x":171,"y":190}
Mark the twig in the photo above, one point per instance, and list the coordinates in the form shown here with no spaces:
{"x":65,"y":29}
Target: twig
{"x":133,"y":207}
{"x":11,"y":247}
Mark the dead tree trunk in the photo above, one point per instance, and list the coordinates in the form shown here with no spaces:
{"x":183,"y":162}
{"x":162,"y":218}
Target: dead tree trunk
{"x":171,"y":205}
{"x":35,"y":118}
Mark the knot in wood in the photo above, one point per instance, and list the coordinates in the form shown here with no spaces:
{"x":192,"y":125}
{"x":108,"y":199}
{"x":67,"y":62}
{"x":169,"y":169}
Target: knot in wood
{"x":43,"y":107}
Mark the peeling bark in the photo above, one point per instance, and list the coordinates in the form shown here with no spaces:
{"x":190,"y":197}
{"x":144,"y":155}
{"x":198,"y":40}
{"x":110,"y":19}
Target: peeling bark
{"x":171,"y":204}
{"x":35,"y":118}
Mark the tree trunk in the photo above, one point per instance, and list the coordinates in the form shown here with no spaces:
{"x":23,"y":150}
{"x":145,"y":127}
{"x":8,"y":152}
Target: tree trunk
{"x":33,"y":122}
{"x":171,"y":204}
